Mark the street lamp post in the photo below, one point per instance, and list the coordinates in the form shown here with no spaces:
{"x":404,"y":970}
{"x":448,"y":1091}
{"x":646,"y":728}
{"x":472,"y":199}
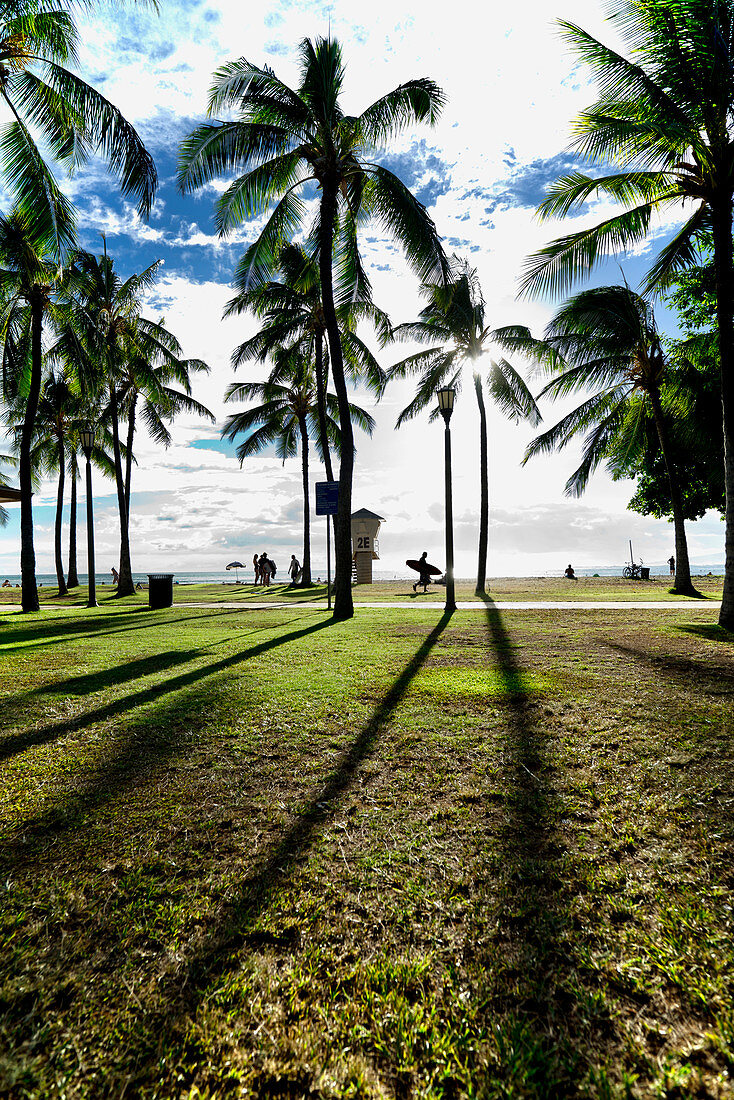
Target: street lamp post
{"x":446,"y":397}
{"x":87,"y":437}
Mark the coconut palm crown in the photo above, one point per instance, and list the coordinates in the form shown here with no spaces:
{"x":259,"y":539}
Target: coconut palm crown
{"x":605,"y":342}
{"x":282,"y":144}
{"x":665,"y":121}
{"x":453,"y":321}
{"x":54,"y":113}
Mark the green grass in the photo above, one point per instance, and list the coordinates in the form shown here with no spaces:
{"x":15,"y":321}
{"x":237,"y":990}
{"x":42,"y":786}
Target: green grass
{"x":255,"y":853}
{"x":532,"y":589}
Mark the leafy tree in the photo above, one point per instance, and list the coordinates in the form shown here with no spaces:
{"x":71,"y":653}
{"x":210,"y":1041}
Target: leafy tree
{"x":286,"y":416}
{"x":665,"y":120}
{"x":292,"y":313}
{"x":28,"y":283}
{"x":453,"y":321}
{"x":285,"y":140}
{"x":605,"y":341}
{"x":54,"y":112}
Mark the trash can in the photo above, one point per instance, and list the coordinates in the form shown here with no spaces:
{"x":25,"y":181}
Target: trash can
{"x":645,"y":572}
{"x":160,"y":590}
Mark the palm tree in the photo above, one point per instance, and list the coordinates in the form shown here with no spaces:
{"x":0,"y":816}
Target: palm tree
{"x":118,"y":352}
{"x":57,"y":408}
{"x":292,"y":312}
{"x":453,"y":322}
{"x":28,"y":282}
{"x":55,"y":112}
{"x":605,"y":340}
{"x":287,"y":413}
{"x":145,"y":378}
{"x":289,"y":139}
{"x":665,"y":119}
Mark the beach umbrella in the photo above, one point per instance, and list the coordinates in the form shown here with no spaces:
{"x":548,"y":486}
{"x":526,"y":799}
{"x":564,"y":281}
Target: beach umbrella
{"x":236,"y":565}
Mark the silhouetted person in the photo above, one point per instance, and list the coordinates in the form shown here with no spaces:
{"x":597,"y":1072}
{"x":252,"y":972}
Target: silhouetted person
{"x":671,"y":563}
{"x":569,"y":573}
{"x":424,"y":573}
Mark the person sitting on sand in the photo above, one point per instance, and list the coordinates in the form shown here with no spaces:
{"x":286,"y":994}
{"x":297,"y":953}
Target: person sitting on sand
{"x":424,"y":573}
{"x":569,"y":573}
{"x":7,"y":584}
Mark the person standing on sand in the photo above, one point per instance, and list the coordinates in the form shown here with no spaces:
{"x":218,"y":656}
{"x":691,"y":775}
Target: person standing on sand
{"x":115,"y":576}
{"x":671,"y":563}
{"x":264,"y":566}
{"x":256,"y":567}
{"x":294,"y":569}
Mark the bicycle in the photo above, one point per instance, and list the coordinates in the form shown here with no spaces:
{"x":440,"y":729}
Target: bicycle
{"x":632,"y":571}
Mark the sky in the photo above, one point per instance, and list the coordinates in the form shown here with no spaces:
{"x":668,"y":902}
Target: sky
{"x":512,"y":90}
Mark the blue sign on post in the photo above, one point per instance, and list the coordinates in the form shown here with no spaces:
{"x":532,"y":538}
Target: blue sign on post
{"x":327,"y":498}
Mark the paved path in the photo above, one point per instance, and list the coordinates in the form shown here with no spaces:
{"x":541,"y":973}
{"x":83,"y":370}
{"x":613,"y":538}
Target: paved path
{"x":473,"y":605}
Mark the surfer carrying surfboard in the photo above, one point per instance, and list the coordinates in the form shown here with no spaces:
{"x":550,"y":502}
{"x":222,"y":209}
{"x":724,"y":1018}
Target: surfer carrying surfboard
{"x":425,"y":570}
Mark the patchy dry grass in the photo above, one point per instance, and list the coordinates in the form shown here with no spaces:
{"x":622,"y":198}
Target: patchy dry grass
{"x":259,"y":854}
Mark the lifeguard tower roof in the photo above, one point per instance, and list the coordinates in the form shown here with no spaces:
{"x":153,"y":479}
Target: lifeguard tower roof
{"x":364,"y":513}
{"x":8,"y":495}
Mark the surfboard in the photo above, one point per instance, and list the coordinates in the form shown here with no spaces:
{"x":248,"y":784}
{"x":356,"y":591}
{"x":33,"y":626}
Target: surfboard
{"x":419,"y":567}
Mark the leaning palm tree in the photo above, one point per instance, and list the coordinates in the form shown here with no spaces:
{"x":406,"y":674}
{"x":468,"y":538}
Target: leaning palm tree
{"x":605,"y":341}
{"x":291,"y":311}
{"x":286,"y":139}
{"x":58,"y":408}
{"x":288,"y":417}
{"x":665,"y":120}
{"x":453,"y":322}
{"x":28,"y":282}
{"x":56,"y":114}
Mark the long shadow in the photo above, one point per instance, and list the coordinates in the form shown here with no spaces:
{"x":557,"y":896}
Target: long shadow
{"x":60,"y":629}
{"x":84,"y":685}
{"x":710,"y":676}
{"x":536,"y":1038}
{"x":100,"y":788}
{"x":213,"y":957}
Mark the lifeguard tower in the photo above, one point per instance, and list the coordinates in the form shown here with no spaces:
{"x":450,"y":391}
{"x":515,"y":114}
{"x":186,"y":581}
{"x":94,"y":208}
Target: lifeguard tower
{"x":365,"y":545}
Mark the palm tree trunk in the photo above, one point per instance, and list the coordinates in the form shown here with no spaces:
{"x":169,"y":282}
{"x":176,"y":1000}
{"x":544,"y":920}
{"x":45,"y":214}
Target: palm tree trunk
{"x":481,"y":587}
{"x":321,"y":389}
{"x":724,"y":275}
{"x":682,"y":583}
{"x":58,"y":553}
{"x":29,"y":591}
{"x":73,"y":579}
{"x":343,"y":605}
{"x":125,"y":586}
{"x":306,"y":573}
{"x":321,"y":406}
{"x":129,"y":456}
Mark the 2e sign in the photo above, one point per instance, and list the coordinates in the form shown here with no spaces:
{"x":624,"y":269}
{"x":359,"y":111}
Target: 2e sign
{"x":364,"y":542}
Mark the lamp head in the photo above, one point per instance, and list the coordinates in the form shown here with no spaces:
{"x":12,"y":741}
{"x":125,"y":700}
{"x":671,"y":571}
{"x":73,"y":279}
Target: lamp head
{"x":446,"y":397}
{"x":87,"y":438}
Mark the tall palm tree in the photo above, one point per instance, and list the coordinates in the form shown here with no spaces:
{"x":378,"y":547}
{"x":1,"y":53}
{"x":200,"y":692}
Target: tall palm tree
{"x":287,"y":416}
{"x":292,"y":312}
{"x":54,"y":112}
{"x":28,"y":282}
{"x":57,"y":409}
{"x":665,"y":120}
{"x":145,"y":389}
{"x":453,"y":322}
{"x":605,"y":340}
{"x":288,"y":139}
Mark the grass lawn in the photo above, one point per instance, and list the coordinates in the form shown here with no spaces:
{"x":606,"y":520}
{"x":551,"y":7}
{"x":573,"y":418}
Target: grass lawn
{"x":257,"y":854}
{"x":502,"y":589}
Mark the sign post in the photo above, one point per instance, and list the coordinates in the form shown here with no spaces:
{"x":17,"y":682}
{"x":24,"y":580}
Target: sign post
{"x":327,"y":504}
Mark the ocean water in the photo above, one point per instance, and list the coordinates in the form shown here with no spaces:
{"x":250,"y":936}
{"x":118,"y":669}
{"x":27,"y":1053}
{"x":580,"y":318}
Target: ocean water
{"x":317,"y":570}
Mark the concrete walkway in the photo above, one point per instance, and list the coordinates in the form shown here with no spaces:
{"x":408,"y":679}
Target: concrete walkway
{"x":473,"y":605}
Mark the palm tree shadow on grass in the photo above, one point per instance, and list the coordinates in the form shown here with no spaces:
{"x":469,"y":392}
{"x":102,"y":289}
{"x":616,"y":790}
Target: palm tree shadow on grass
{"x":60,"y":628}
{"x":145,"y":745}
{"x":536,"y":1046}
{"x":216,"y":954}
